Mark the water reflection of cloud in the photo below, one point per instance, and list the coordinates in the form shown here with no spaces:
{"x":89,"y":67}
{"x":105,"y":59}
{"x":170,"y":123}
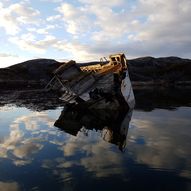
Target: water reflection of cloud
{"x":162,"y":147}
{"x":32,"y":120}
{"x":26,"y":150}
{"x":166,"y":140}
{"x":21,"y":162}
{"x":21,"y":148}
{"x":11,"y":141}
{"x":47,"y":163}
{"x":3,"y":152}
{"x":100,"y":162}
{"x":9,"y":186}
{"x":6,"y":109}
{"x":94,"y":156}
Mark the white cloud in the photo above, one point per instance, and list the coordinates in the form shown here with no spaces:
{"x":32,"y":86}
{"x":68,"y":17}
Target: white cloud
{"x":29,"y":42}
{"x":3,"y":54}
{"x":7,"y":59}
{"x":110,"y":3}
{"x":43,"y":30}
{"x":88,"y":52}
{"x":14,"y":16}
{"x":87,"y":30}
{"x":76,"y":19}
{"x":52,"y":1}
{"x":157,"y":28}
{"x":105,"y":35}
{"x":53,"y":18}
{"x":79,"y":51}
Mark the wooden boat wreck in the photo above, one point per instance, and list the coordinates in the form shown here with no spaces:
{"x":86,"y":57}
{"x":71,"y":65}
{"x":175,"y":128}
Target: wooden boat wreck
{"x":104,"y":85}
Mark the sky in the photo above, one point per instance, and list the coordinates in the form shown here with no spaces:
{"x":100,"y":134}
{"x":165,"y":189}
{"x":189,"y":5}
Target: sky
{"x":85,"y":30}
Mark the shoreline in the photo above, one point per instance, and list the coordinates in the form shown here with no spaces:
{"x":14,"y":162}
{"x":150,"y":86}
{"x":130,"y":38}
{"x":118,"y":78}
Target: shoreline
{"x":34,"y":84}
{"x":147,"y":98}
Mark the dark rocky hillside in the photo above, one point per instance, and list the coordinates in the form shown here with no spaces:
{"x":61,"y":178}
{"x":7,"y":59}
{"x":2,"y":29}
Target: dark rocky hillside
{"x":143,"y":71}
{"x":33,"y":73}
{"x":168,"y":69}
{"x":30,"y":70}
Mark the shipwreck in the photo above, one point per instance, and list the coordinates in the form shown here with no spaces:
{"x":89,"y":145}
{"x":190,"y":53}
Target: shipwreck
{"x":105,"y":85}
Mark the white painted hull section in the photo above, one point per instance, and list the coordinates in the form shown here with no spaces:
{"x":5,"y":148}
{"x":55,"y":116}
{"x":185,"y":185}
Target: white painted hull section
{"x":127,"y":91}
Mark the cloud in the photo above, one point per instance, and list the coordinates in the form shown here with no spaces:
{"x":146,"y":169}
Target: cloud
{"x":43,"y":30}
{"x":110,"y":3}
{"x":15,"y":15}
{"x":2,"y":54}
{"x":52,"y":1}
{"x":29,"y":42}
{"x":157,"y":28}
{"x":87,"y":30}
{"x":6,"y":60}
{"x":54,"y":18}
{"x":76,"y":19}
{"x":167,"y":27}
{"x":78,"y":50}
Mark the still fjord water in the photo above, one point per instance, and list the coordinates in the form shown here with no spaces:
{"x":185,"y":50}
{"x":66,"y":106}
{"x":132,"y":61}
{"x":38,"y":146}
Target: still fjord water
{"x":154,"y":155}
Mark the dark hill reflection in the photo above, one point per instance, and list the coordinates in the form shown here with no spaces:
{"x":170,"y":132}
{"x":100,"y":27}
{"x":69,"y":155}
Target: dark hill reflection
{"x":164,"y":98}
{"x":113,"y":125}
{"x":147,"y":99}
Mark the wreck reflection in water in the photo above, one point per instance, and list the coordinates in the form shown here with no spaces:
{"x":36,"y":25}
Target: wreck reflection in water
{"x":112,"y":125}
{"x":36,"y":156}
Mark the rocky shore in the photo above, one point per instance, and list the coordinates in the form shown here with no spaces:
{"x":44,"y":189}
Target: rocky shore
{"x":146,"y":99}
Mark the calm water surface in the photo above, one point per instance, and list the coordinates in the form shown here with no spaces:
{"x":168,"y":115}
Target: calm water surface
{"x":154,"y":153}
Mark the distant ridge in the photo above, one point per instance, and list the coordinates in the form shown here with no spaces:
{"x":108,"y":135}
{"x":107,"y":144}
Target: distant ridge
{"x":35,"y":69}
{"x":143,"y":69}
{"x":170,"y":69}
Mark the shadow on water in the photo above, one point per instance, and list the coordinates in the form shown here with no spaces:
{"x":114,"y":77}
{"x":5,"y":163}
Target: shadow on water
{"x":113,"y":124}
{"x":139,"y":178}
{"x":163,"y":98}
{"x":35,"y":100}
{"x":147,"y":99}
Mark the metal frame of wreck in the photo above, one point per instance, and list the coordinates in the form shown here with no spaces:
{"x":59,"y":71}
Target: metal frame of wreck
{"x":117,"y":63}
